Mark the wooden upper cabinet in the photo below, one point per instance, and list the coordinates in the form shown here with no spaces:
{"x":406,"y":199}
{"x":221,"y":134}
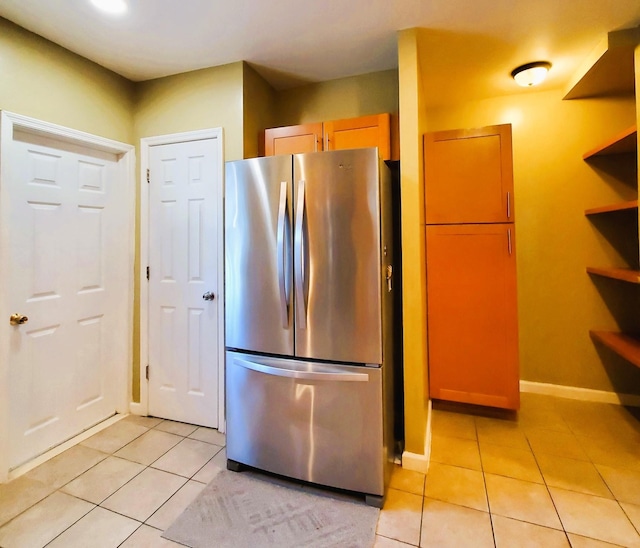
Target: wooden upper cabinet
{"x":472,"y":314}
{"x":362,"y":132}
{"x":293,"y":139}
{"x":469,"y":176}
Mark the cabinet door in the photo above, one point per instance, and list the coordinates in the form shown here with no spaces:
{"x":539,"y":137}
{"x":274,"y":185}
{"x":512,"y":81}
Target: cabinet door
{"x":293,"y":139}
{"x":362,"y":132}
{"x":472,"y":317}
{"x":469,"y":176}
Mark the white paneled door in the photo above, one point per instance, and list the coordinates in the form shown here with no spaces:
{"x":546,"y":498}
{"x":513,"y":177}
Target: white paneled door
{"x":184,"y":291}
{"x":65,"y":243}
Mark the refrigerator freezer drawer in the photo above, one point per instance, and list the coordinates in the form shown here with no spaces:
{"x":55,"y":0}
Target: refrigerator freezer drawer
{"x":315,"y":422}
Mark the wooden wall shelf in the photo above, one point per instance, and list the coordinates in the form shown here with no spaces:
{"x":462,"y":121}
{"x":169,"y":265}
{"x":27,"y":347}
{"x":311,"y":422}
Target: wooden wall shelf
{"x":625,"y":142}
{"x":620,"y":206}
{"x":623,"y":274}
{"x":609,"y":68}
{"x":623,"y":344}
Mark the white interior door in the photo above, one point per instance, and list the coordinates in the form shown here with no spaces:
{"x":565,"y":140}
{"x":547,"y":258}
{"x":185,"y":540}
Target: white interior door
{"x":67,"y":268}
{"x":184,"y":290}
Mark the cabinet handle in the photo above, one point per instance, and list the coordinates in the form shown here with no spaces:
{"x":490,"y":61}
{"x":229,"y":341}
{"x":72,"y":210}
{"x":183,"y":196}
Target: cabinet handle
{"x":330,"y":374}
{"x":326,"y":141}
{"x":315,"y":143}
{"x":508,"y":205}
{"x":509,"y":240}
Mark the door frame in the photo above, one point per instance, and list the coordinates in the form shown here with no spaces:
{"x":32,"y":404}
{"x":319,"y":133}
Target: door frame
{"x":216,"y":134}
{"x":126,"y":167}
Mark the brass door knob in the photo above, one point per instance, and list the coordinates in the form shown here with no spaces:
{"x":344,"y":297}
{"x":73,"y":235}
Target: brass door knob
{"x":17,"y":319}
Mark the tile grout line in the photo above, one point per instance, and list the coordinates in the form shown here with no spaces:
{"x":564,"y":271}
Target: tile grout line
{"x":555,"y":507}
{"x":595,"y":466}
{"x":537,"y":458}
{"x":59,"y":489}
{"x":146,"y":467}
{"x":627,"y":516}
{"x":94,"y":505}
{"x":424,"y":492}
{"x":484,"y":481}
{"x":67,"y":528}
{"x":188,"y":479}
{"x":132,"y":533}
{"x":140,"y":527}
{"x":99,"y":505}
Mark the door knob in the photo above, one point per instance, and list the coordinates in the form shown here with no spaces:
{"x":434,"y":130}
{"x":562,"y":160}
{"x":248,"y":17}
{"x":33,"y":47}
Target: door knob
{"x":17,"y":319}
{"x":208,"y":296}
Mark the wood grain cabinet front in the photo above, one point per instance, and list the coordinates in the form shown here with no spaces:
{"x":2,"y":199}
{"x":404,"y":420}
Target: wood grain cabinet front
{"x":469,"y":176}
{"x":472,"y":320}
{"x":472,"y":314}
{"x":360,"y":132}
{"x":293,"y":139}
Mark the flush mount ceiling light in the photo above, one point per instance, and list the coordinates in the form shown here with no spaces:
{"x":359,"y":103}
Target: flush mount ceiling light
{"x":113,"y":7}
{"x":531,"y":74}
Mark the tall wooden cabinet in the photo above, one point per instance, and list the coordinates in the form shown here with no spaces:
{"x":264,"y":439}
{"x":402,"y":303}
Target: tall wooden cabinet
{"x":360,"y":132}
{"x":472,"y":318}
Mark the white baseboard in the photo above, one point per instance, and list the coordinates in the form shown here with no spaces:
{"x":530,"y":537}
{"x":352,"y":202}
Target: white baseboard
{"x":576,"y":393}
{"x":136,"y":408}
{"x":24,"y":468}
{"x":415,"y":461}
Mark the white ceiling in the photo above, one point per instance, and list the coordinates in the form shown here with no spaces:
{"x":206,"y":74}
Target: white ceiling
{"x":296,"y":41}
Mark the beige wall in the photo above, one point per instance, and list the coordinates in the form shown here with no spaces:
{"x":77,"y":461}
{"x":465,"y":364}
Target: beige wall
{"x":342,"y":98}
{"x":412,"y":126}
{"x":194,"y":100}
{"x":259,"y":106}
{"x":44,"y":81}
{"x":558,"y":302}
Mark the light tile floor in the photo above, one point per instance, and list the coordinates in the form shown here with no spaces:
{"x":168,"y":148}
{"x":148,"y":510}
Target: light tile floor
{"x":560,"y":473}
{"x":563,"y":473}
{"x":121,"y":487}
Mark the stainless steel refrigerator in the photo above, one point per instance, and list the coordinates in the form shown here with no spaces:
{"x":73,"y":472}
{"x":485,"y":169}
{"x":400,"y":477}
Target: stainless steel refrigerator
{"x":308,"y":281}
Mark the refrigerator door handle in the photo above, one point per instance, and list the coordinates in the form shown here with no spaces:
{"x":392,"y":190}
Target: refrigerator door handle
{"x":303,"y":375}
{"x":298,"y":254}
{"x":280,"y":245}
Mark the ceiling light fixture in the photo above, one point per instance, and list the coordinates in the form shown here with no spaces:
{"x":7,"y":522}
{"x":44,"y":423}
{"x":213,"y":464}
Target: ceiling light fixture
{"x":531,"y":74}
{"x":114,"y":7}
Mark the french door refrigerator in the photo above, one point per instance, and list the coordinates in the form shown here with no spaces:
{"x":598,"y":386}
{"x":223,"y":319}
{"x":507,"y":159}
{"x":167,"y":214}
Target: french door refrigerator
{"x":308,"y":281}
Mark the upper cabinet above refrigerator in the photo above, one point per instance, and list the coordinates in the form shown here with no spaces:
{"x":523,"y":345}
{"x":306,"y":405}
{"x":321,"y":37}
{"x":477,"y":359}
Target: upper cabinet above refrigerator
{"x":376,"y":130}
{"x":470,"y":175}
{"x":293,"y":139}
